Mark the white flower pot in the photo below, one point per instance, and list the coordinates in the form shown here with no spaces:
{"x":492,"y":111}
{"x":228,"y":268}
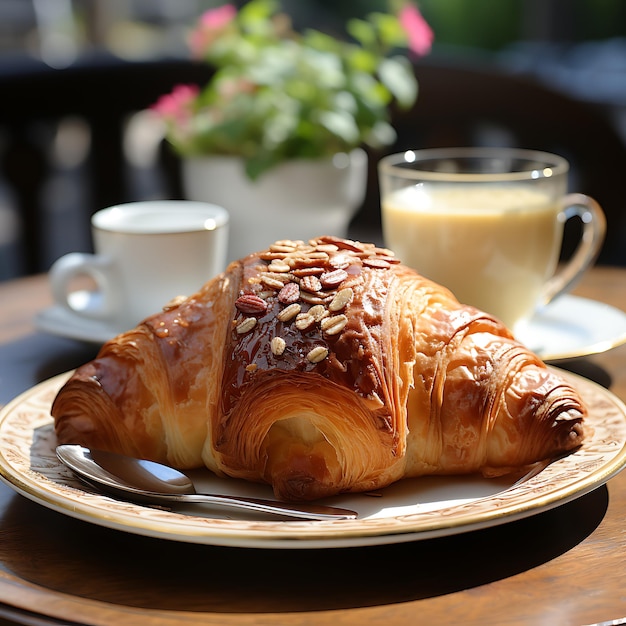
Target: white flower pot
{"x":300,"y":199}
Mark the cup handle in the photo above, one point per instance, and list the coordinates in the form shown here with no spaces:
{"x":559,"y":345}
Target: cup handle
{"x":100,"y":268}
{"x":593,"y":233}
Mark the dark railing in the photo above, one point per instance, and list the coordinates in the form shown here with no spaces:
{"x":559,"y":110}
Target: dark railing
{"x":458,"y":104}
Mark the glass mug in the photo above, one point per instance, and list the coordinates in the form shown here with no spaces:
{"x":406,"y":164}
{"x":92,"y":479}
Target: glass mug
{"x":146,"y":254}
{"x":488,"y":224}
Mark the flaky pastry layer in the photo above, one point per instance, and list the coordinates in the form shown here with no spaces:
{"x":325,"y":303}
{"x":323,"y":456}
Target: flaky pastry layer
{"x":320,"y":368}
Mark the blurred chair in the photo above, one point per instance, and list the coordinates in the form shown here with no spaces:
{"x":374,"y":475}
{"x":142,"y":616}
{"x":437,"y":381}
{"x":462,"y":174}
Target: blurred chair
{"x":475,"y":103}
{"x":459,"y":104}
{"x":103,"y":92}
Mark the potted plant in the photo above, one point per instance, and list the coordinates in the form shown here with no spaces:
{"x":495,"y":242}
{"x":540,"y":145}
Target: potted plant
{"x":285,"y":115}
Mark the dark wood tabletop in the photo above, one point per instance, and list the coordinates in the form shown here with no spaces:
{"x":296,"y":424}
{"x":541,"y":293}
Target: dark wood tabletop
{"x":565,"y":566}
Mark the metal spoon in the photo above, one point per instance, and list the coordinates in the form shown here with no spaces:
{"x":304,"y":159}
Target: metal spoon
{"x":147,"y":481}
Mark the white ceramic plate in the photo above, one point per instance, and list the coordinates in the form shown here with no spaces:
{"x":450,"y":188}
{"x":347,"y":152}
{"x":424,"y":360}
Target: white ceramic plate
{"x":568,"y":327}
{"x":572,"y":327}
{"x":407,"y":511}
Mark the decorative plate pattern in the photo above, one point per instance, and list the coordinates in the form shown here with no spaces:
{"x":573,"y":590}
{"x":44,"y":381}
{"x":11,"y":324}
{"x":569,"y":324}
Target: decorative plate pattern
{"x":406,"y":511}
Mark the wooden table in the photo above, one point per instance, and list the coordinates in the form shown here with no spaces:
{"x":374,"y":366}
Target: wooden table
{"x":566,"y":566}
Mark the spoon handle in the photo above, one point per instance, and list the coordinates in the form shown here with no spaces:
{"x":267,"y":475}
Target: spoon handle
{"x":301,"y":510}
{"x":139,"y":481}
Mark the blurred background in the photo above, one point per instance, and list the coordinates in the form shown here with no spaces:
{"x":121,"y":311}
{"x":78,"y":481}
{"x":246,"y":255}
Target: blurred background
{"x":55,"y":51}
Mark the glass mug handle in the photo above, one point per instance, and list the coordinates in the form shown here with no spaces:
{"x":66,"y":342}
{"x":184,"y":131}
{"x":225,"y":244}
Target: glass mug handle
{"x":592,"y":238}
{"x":101,"y":269}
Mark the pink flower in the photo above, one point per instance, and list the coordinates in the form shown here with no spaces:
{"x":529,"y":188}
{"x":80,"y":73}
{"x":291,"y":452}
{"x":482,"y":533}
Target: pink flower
{"x":419,"y":32}
{"x":219,"y":17}
{"x":211,"y":24}
{"x":177,"y":105}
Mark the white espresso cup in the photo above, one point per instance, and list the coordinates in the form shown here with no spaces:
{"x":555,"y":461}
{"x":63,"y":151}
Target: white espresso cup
{"x":488,"y":224}
{"x":146,"y":254}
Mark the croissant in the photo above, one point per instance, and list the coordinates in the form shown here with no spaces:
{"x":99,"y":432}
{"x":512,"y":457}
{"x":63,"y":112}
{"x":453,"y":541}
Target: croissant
{"x":320,"y":368}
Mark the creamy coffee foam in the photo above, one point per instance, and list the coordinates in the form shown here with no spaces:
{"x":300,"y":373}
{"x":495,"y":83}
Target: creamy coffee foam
{"x":494,"y":247}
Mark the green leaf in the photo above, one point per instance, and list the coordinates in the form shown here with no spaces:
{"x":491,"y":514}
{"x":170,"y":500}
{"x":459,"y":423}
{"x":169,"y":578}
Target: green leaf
{"x":362,"y":60}
{"x":255,"y":15}
{"x":369,"y":91}
{"x":389,"y":29}
{"x":346,"y":102}
{"x":341,"y":124}
{"x":321,"y":41}
{"x":324,"y":70}
{"x":277,"y":95}
{"x":362,"y":31}
{"x":259,"y":164}
{"x":397,"y":75}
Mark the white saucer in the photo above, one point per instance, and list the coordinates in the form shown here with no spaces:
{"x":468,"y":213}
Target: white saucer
{"x":568,"y":327}
{"x":573,"y":327}
{"x":58,"y":320}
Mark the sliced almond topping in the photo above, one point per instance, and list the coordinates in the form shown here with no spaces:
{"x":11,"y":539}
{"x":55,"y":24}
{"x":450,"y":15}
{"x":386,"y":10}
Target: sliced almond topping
{"x":289,"y":242}
{"x":377,"y":263}
{"x":278,"y":346}
{"x":345,"y":244}
{"x":300,"y":261}
{"x":342,"y":298}
{"x":319,"y":255}
{"x":340,"y":261}
{"x":246,"y":325}
{"x":392,"y":260}
{"x":313,"y":298}
{"x":304,"y":321}
{"x":283,"y":246}
{"x":317,"y":354}
{"x":268,"y":255}
{"x":319,"y":312}
{"x":289,"y":312}
{"x":283,"y":277}
{"x":306,"y":248}
{"x":334,"y":325}
{"x":308,"y":271}
{"x":333,"y":279}
{"x":278,"y":266}
{"x":270,"y":281}
{"x":326,"y":247}
{"x":386,"y":252}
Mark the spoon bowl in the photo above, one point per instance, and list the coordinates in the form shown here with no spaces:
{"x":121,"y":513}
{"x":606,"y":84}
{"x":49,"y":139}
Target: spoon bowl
{"x":146,"y":481}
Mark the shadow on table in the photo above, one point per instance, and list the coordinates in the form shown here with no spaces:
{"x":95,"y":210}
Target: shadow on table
{"x":34,"y":358}
{"x":78,"y":558}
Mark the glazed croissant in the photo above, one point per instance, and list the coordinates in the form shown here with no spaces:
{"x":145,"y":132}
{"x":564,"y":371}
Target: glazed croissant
{"x":321,"y":368}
